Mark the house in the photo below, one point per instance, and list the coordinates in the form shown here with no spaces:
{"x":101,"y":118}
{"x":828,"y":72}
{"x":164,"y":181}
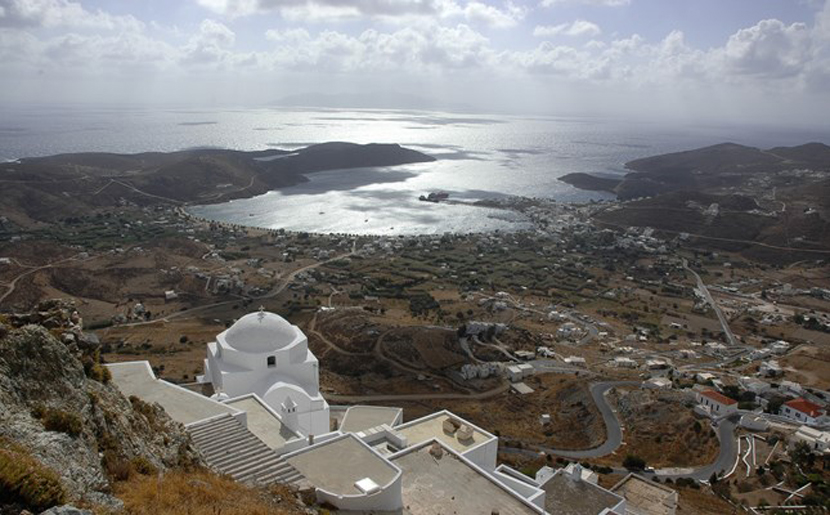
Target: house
{"x":516,"y":373}
{"x":716,"y":404}
{"x":770,"y":368}
{"x":791,"y":388}
{"x":819,"y":441}
{"x":804,"y":411}
{"x":753,"y":385}
{"x":525,"y":355}
{"x":704,"y":377}
{"x":658,"y":383}
{"x":575,"y":360}
{"x":621,"y":362}
{"x":779,"y":347}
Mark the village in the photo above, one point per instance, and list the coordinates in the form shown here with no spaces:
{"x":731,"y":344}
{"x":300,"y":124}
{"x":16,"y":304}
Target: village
{"x":633,"y":330}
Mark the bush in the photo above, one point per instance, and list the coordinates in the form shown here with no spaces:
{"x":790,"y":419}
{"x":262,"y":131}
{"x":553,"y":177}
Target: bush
{"x":24,"y":480}
{"x":143,"y":466}
{"x":633,"y":462}
{"x":58,"y":420}
{"x":116,"y":467}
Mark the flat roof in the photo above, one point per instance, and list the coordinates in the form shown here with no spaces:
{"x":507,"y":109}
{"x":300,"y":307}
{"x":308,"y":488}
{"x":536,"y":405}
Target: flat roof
{"x":449,"y":485}
{"x":335,"y":466}
{"x":263,"y":423}
{"x":647,"y":497}
{"x":432,"y":426}
{"x":565,"y":496}
{"x":137,"y":378}
{"x":360,"y":418}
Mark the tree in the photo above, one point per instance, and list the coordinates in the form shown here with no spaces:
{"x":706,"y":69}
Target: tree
{"x":713,"y":479}
{"x":633,"y":462}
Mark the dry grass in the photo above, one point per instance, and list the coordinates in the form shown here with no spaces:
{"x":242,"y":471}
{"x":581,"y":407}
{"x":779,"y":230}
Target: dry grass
{"x":182,"y":493}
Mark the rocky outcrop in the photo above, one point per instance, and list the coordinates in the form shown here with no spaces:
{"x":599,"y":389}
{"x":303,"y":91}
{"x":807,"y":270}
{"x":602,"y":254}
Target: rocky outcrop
{"x":57,"y":404}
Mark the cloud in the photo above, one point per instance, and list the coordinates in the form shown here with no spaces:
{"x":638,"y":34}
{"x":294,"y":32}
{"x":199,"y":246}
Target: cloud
{"x":24,"y":14}
{"x":769,"y":49}
{"x":408,"y":50}
{"x":390,"y":11}
{"x":576,"y":29}
{"x":603,"y":3}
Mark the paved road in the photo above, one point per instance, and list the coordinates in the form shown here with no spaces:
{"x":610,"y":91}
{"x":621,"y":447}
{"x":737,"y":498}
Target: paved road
{"x":727,"y":454}
{"x":708,"y":296}
{"x":613,"y":430}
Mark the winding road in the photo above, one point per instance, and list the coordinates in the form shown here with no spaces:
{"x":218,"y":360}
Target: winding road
{"x":725,"y":430}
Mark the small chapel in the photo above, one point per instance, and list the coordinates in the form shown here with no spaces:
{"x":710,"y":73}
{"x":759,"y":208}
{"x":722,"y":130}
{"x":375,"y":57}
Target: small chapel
{"x":263,"y":353}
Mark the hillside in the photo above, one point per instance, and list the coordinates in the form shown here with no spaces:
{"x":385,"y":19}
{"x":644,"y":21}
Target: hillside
{"x":41,"y":190}
{"x":60,"y":415}
{"x":69,"y":436}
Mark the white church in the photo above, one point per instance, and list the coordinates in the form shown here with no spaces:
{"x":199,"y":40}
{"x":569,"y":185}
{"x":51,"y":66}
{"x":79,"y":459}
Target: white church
{"x":268,"y":423}
{"x":265,"y":355}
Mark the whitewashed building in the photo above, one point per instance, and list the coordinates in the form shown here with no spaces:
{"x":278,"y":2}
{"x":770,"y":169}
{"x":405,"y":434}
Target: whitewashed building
{"x":264,"y":354}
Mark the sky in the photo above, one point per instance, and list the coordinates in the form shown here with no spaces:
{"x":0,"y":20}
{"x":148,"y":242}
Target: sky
{"x":718,"y":60}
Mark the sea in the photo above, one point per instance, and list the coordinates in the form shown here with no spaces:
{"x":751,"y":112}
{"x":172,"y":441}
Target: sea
{"x":478,"y":157}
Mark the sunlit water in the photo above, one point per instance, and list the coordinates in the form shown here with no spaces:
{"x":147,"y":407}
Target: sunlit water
{"x":478,"y":157}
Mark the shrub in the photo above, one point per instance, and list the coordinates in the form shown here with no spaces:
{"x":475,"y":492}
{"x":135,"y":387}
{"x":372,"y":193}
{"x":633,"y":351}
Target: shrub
{"x":59,"y":420}
{"x":116,"y":467}
{"x":634,"y":462}
{"x":143,"y":466}
{"x":24,"y":480}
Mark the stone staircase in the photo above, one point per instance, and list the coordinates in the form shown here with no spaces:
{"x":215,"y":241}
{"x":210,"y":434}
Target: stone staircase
{"x":229,"y":448}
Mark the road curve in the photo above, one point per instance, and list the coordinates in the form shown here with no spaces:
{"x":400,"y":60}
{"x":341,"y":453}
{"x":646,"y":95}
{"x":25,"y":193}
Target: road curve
{"x":613,"y":429}
{"x":725,"y":431}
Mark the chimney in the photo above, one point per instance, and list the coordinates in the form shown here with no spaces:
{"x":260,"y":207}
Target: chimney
{"x":576,"y":472}
{"x":310,"y":440}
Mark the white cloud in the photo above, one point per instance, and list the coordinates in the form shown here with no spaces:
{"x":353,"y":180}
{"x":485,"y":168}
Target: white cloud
{"x":390,"y":11}
{"x":60,"y":13}
{"x":576,"y":29}
{"x":603,"y":3}
{"x":769,"y":49}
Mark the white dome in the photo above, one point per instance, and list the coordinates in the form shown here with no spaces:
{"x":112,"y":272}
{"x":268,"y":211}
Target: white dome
{"x":260,"y":332}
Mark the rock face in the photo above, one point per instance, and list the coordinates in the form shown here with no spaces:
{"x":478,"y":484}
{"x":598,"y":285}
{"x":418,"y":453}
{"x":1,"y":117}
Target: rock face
{"x":56,"y":402}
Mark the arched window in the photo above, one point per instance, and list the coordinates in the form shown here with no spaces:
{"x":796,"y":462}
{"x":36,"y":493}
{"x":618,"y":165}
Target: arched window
{"x":272,"y":361}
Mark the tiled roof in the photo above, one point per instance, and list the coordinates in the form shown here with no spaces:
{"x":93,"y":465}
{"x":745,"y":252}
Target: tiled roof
{"x":810,"y":409}
{"x":719,"y":397}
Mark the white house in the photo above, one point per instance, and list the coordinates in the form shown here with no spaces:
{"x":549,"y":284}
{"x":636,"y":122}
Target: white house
{"x":819,"y":441}
{"x":658,"y":383}
{"x":804,"y":411}
{"x":753,"y":385}
{"x":717,"y":404}
{"x":264,"y":354}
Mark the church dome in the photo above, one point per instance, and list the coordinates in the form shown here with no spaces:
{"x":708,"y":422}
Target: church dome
{"x":260,"y":332}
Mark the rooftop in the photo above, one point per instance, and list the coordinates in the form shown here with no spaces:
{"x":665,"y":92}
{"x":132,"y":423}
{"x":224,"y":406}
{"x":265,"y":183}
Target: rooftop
{"x":360,"y":418}
{"x":336,"y":465}
{"x":810,"y":409}
{"x":432,"y":426}
{"x":263,"y":423}
{"x":447,"y":484}
{"x":137,"y":378}
{"x":646,"y":497}
{"x":565,"y":496}
{"x":719,"y":397}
